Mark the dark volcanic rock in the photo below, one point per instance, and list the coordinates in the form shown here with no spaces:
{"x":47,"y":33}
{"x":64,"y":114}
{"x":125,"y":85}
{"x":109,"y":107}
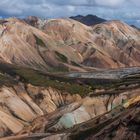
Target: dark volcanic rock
{"x":119,"y":124}
{"x":89,"y":19}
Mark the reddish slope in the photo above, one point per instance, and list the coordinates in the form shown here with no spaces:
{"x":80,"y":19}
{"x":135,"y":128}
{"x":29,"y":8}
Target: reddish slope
{"x":109,"y":45}
{"x":67,"y":45}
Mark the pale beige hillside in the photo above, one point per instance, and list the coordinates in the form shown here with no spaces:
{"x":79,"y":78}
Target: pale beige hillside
{"x":111,"y":44}
{"x":68,"y":45}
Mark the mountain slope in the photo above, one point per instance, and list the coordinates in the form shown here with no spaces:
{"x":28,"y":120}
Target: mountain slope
{"x":34,"y":104}
{"x":25,"y":45}
{"x":111,"y":44}
{"x":41,"y":98}
{"x":68,"y":45}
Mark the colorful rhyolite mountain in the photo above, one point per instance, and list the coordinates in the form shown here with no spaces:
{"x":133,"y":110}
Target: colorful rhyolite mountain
{"x":39,"y":100}
{"x":68,"y":45}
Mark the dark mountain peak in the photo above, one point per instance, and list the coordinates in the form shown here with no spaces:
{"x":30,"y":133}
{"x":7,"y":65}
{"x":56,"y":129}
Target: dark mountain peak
{"x":89,"y":20}
{"x":135,"y":27}
{"x":90,"y":16}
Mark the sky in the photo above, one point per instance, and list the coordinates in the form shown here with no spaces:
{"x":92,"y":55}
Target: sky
{"x":125,"y":10}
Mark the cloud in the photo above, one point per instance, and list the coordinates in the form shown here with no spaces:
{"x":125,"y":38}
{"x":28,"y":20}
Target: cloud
{"x":127,"y":10}
{"x":110,"y":3}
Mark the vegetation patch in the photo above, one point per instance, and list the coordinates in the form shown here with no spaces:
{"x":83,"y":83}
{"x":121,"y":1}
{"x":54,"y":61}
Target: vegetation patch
{"x":75,"y":64}
{"x":39,"y":41}
{"x":37,"y":78}
{"x":59,"y":68}
{"x":7,"y":81}
{"x":61,"y":57}
{"x":79,"y":86}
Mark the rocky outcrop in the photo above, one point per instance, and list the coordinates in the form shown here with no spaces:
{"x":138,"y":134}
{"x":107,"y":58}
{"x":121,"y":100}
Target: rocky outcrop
{"x":94,"y":106}
{"x":123,"y":126}
{"x":20,"y":106}
{"x":113,"y":124}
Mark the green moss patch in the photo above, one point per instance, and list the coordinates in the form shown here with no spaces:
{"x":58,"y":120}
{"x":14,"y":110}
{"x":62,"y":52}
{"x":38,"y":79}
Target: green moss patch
{"x":7,"y":81}
{"x":59,"y":68}
{"x":38,"y":78}
{"x":61,"y":57}
{"x":75,"y":64}
{"x":39,"y":41}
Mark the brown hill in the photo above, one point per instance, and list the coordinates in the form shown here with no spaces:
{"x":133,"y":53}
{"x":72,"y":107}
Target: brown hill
{"x":112,"y":44}
{"x":67,"y":45}
{"x":37,"y":104}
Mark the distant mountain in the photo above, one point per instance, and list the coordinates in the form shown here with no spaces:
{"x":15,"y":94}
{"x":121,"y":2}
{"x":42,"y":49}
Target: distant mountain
{"x":135,"y":27}
{"x":88,"y":20}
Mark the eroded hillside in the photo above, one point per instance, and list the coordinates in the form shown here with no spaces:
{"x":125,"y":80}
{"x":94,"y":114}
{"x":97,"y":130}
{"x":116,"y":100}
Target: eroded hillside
{"x":35,"y":105}
{"x":63,"y":80}
{"x":67,"y":45}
